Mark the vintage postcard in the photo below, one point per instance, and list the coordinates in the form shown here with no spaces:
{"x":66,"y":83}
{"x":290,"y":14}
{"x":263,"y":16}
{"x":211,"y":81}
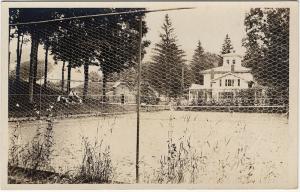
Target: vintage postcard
{"x":148,"y":95}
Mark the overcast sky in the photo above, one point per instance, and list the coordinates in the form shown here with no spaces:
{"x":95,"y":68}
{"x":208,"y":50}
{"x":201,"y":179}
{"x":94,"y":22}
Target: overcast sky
{"x":209,"y":24}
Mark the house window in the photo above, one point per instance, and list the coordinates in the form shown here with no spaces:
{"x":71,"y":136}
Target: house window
{"x":220,"y":82}
{"x":227,"y":61}
{"x":233,"y":61}
{"x":201,"y":80}
{"x":239,"y":82}
{"x":229,"y":82}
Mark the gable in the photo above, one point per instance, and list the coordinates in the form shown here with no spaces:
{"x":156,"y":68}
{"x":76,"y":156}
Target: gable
{"x":231,"y":75}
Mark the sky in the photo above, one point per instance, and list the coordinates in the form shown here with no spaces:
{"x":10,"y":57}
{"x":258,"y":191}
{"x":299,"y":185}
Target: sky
{"x":209,"y":24}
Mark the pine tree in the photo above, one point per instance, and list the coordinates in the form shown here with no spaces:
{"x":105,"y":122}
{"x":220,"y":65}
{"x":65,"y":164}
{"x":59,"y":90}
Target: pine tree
{"x":198,"y":64}
{"x":227,"y":46}
{"x":167,"y":63}
{"x":202,"y":61}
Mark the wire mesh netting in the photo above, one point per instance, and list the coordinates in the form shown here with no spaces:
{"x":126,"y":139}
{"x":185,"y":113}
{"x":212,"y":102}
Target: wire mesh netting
{"x":78,"y":63}
{"x":79,"y":43}
{"x":102,"y":53}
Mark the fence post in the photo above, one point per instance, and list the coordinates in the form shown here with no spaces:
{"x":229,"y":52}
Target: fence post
{"x":138,"y":102}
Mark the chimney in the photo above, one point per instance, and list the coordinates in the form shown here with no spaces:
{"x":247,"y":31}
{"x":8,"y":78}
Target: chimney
{"x":232,"y":68}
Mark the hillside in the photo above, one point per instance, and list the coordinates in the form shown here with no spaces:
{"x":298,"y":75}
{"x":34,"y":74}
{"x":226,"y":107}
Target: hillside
{"x":45,"y":98}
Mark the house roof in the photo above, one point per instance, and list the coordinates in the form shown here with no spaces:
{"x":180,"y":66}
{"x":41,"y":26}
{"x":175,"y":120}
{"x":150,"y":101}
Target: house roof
{"x":231,"y":55}
{"x":118,"y":83}
{"x":222,"y":69}
{"x":96,"y":87}
{"x":233,"y":74}
{"x":196,"y":86}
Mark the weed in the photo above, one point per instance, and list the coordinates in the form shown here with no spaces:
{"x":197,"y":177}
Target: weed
{"x":180,"y":165}
{"x":96,"y":166}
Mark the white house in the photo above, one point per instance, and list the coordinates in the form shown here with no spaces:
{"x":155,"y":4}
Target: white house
{"x":120,"y":92}
{"x":224,"y":82}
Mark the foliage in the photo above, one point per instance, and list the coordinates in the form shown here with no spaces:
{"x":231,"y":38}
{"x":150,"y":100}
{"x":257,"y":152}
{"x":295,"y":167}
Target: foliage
{"x":25,"y":68}
{"x":148,"y":94}
{"x":167,"y":63}
{"x":36,"y":154}
{"x":127,"y":75}
{"x":96,"y":166}
{"x":108,"y":41}
{"x":202,"y":61}
{"x":180,"y":165}
{"x":94,"y":76}
{"x":267,"y":47}
{"x":15,"y":147}
{"x":227,"y":45}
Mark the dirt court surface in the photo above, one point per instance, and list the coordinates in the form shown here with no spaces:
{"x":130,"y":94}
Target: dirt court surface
{"x":236,"y":147}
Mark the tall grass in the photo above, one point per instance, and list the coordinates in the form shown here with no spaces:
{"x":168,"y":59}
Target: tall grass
{"x":179,"y":165}
{"x":15,"y":147}
{"x":36,"y":155}
{"x":96,"y":165}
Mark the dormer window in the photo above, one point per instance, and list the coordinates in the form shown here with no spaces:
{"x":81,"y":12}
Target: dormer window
{"x":233,"y":61}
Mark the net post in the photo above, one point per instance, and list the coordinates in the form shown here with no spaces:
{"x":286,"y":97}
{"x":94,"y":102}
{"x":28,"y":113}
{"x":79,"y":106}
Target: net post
{"x":138,"y":100}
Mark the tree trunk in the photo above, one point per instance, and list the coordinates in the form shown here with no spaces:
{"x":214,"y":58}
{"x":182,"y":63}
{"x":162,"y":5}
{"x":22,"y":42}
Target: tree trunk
{"x":18,"y":58}
{"x":33,"y":64}
{"x":21,"y":49}
{"x":69,"y":78}
{"x":63,"y":77}
{"x":9,"y":48}
{"x":36,"y":60}
{"x":46,"y":66}
{"x":86,"y":79}
{"x":104,"y":81}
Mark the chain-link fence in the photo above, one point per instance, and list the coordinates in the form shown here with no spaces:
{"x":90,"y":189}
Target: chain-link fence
{"x":81,"y":65}
{"x":109,"y":44}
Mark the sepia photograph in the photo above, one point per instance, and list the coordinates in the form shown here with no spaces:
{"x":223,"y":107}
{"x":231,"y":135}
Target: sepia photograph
{"x":197,"y":95}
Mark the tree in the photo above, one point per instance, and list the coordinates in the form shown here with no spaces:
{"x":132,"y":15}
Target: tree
{"x":110,"y":41}
{"x":23,"y":15}
{"x":198,"y":64}
{"x":119,"y":45}
{"x":19,"y":32}
{"x":267,"y":48}
{"x":167,"y":63}
{"x":227,"y":46}
{"x":202,"y":61}
{"x":20,"y":42}
{"x":63,"y":76}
